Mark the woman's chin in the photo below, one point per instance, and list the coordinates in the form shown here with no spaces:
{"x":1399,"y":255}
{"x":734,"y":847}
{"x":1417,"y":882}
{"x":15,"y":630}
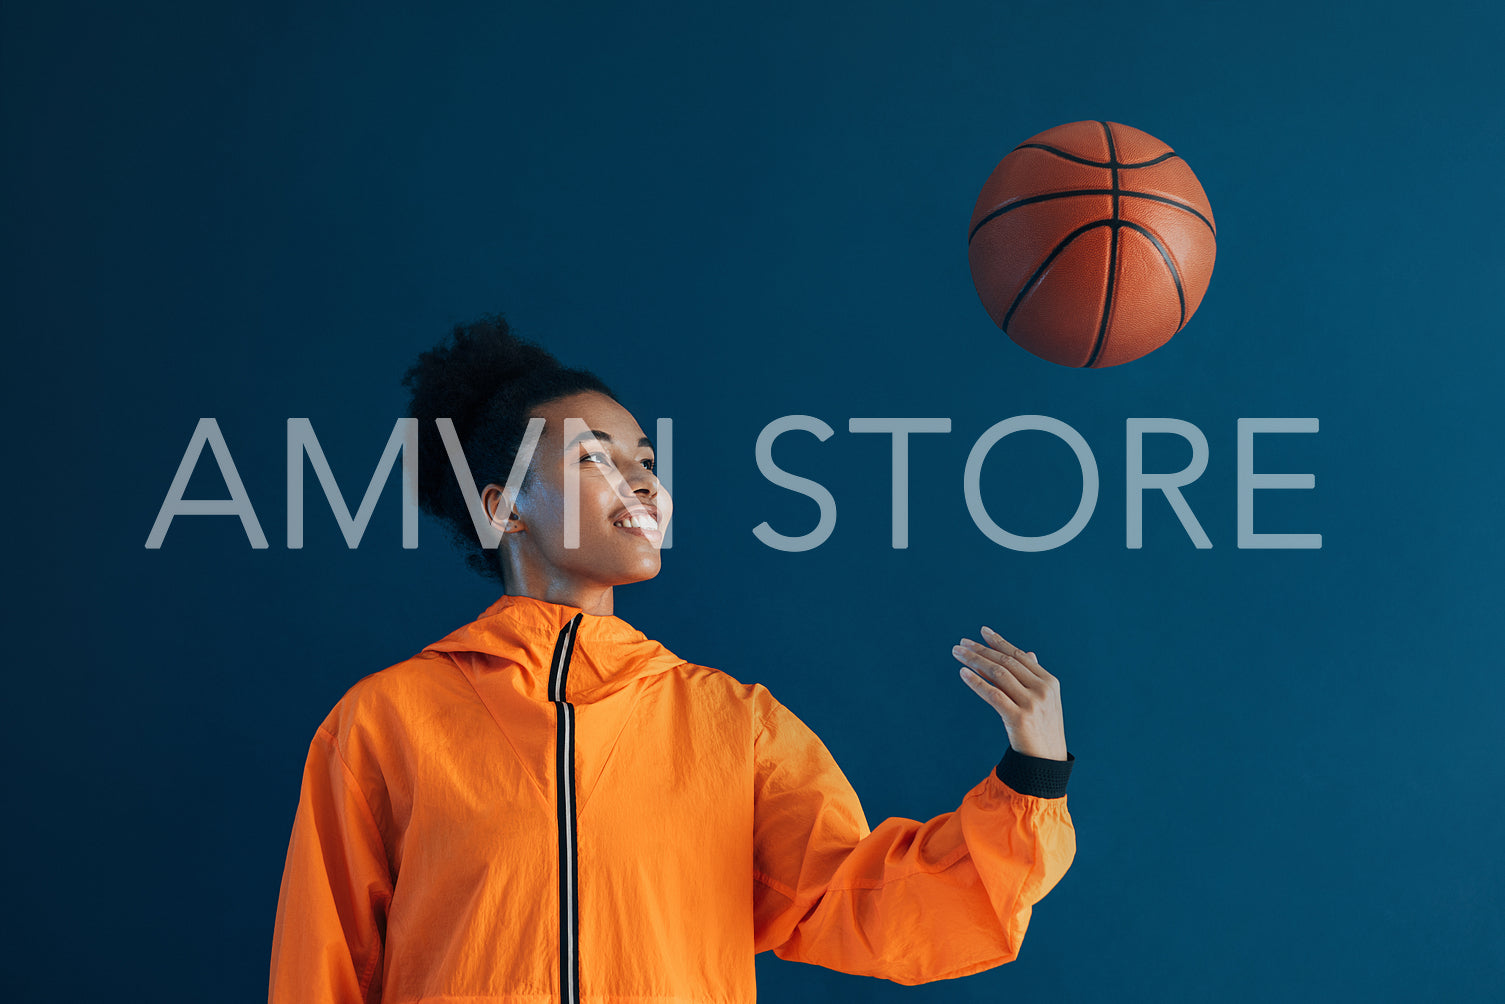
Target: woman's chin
{"x":649,"y":571}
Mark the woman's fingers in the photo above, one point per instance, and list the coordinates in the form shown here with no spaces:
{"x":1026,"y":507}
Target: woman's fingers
{"x":995,"y":697}
{"x":988,"y":669}
{"x":1015,"y":672}
{"x":1004,"y":647}
{"x":1026,"y":697}
{"x":1007,"y":666}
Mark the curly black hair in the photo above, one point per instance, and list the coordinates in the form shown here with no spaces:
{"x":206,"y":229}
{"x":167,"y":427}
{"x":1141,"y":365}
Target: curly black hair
{"x":486,"y":380}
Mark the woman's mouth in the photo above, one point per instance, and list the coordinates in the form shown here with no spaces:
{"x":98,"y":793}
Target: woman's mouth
{"x":642,"y":525}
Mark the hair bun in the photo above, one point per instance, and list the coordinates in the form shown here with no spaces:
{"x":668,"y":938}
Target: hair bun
{"x":458,"y":377}
{"x":486,"y":380}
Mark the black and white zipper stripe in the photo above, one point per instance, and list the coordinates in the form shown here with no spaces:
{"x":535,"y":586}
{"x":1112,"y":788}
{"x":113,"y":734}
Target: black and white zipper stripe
{"x":564,"y":772}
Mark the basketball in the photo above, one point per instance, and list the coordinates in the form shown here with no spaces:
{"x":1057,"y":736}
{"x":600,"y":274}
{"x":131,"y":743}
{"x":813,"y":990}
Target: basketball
{"x":1091,"y":244}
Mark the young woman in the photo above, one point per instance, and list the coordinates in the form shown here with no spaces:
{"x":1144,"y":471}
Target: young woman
{"x":546,"y":805}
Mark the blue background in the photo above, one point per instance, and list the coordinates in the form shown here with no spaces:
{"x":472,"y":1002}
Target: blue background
{"x":1289,"y":762}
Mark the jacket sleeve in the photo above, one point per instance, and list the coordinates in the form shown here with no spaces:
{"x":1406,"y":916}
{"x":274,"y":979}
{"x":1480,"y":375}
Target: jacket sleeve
{"x":336,"y":887}
{"x":909,"y":902}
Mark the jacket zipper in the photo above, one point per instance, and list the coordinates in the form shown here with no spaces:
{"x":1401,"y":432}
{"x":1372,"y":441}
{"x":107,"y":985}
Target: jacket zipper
{"x":564,"y":772}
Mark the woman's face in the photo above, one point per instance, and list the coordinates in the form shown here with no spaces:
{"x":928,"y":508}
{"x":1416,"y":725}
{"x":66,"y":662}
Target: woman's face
{"x":613,"y":461}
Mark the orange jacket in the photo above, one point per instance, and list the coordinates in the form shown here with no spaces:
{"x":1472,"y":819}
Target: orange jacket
{"x":548,"y":806}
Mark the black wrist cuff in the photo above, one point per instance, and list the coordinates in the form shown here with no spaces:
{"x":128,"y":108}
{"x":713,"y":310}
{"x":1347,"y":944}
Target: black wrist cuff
{"x":1034,"y":775}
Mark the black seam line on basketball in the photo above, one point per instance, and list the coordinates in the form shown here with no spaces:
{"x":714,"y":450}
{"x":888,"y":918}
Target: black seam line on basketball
{"x":1126,"y":193}
{"x":1169,"y":263}
{"x":1102,"y":328}
{"x":1030,"y":285}
{"x":1093,"y":163}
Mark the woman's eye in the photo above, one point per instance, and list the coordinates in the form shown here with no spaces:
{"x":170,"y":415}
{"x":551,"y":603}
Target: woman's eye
{"x":650,"y":463}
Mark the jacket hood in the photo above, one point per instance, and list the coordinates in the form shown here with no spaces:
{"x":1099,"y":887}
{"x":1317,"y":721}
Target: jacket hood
{"x":517,"y":635}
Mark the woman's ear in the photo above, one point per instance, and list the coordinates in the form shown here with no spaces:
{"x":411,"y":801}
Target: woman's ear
{"x":500,"y":512}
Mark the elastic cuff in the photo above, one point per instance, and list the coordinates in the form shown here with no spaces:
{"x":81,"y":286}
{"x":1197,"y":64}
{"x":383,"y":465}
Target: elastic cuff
{"x":1034,"y":775}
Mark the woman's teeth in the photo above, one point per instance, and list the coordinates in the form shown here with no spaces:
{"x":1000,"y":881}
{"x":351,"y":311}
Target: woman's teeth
{"x":641,"y":522}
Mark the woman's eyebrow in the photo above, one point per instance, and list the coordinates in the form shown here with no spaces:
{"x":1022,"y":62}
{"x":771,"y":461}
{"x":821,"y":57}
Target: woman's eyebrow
{"x":597,"y":433}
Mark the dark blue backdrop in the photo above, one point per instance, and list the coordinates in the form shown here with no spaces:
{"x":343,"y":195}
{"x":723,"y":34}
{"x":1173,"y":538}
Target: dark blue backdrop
{"x":1289,"y":762}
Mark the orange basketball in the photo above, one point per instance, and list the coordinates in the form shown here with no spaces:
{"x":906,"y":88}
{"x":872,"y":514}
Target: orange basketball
{"x":1091,"y":244}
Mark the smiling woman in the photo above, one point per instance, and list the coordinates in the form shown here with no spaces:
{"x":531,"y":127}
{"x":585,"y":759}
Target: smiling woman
{"x":490,"y":383}
{"x":547,"y":805}
{"x":622,"y":507}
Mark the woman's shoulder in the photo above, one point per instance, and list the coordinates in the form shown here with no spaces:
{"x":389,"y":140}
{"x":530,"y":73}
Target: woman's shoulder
{"x":727,"y":685}
{"x":379,"y":701}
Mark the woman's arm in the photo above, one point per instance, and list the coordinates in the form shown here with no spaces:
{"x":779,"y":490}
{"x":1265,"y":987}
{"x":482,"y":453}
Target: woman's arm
{"x":909,"y":902}
{"x":336,"y":887}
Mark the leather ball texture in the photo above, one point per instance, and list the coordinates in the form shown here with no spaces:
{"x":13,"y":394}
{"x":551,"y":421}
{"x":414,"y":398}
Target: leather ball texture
{"x":1091,"y":244}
